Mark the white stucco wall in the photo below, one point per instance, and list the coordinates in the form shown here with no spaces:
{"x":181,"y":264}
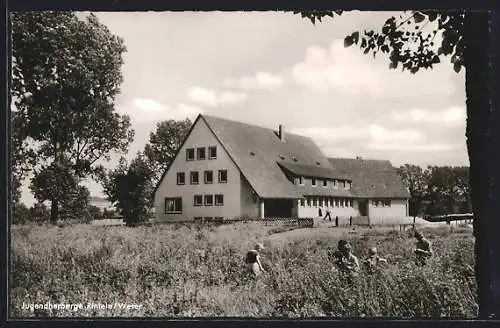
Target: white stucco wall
{"x":200,"y":136}
{"x":385,"y":214}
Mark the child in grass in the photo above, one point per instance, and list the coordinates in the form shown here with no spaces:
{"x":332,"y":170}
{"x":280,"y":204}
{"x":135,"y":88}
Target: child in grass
{"x":346,"y":262}
{"x":373,"y":261}
{"x":423,"y":250}
{"x":252,"y":260}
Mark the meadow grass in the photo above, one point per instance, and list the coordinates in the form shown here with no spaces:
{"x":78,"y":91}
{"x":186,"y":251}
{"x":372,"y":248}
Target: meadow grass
{"x":197,"y":271}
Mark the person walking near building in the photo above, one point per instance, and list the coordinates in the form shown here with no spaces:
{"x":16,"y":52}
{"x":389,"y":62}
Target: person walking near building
{"x":423,"y":251}
{"x":327,"y":214}
{"x":252,"y":260}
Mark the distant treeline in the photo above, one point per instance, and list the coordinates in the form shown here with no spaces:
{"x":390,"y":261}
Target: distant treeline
{"x":437,"y":190}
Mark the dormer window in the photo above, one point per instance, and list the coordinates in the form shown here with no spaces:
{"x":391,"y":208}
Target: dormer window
{"x":325,"y":183}
{"x":300,"y":180}
{"x":313,"y":182}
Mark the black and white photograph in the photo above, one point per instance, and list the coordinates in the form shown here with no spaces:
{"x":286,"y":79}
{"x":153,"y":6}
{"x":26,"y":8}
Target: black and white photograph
{"x":278,"y":164}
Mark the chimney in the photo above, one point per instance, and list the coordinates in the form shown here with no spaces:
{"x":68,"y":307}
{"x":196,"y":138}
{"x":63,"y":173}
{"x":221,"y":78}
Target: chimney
{"x":281,"y":133}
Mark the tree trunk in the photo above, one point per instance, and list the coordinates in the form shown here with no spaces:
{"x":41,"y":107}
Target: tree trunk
{"x":54,"y":210}
{"x":483,"y":150}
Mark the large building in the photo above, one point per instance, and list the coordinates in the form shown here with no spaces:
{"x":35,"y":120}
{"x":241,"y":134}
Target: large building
{"x":227,"y":169}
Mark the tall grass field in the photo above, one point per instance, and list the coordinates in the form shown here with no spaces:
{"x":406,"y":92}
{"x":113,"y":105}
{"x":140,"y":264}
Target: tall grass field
{"x":198,"y":271}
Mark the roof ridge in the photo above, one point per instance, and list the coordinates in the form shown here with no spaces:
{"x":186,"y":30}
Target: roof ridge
{"x":360,"y":159}
{"x":252,"y":125}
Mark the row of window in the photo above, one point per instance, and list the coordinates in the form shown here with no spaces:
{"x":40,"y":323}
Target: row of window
{"x":174,"y":204}
{"x":208,"y":177}
{"x":326,"y":201}
{"x":201,"y":153}
{"x":324,"y":182}
{"x":208,"y":200}
{"x":381,"y":203}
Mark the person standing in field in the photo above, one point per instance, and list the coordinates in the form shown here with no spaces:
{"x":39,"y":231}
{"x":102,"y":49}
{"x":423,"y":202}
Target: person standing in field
{"x":252,"y":260}
{"x":423,"y":250}
{"x":373,"y":261}
{"x":346,"y":262}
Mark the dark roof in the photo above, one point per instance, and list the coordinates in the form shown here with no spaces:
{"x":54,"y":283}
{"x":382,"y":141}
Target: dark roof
{"x":312,"y":171}
{"x":371,"y":178}
{"x":256,"y":151}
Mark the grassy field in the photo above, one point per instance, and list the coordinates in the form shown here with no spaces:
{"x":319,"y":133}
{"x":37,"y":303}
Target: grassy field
{"x":187,"y":271}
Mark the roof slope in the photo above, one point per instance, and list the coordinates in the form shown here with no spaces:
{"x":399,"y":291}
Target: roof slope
{"x":257,"y":150}
{"x":371,"y":178}
{"x":312,"y":171}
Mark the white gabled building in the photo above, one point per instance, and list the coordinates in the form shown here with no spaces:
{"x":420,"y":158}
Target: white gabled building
{"x":227,"y":169}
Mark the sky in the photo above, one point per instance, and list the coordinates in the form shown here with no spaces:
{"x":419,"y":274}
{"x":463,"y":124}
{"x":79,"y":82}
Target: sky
{"x":271,"y":68}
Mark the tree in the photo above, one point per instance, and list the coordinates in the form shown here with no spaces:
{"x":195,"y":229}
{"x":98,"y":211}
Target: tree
{"x":466,"y":40}
{"x":130,"y":188}
{"x":441,"y":197}
{"x":414,"y":179}
{"x":65,"y":77}
{"x":164,"y":144}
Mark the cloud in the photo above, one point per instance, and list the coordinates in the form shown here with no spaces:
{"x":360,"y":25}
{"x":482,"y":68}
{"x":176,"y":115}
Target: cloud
{"x":150,"y":110}
{"x":212,"y":98}
{"x":452,"y":116}
{"x":260,"y":80}
{"x":349,"y":71}
{"x":347,"y":140}
{"x":323,"y":134}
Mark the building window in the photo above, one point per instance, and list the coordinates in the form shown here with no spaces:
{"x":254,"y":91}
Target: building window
{"x":313,"y":182}
{"x":173,"y":205}
{"x":375,"y":203}
{"x":301,"y":180}
{"x":219,"y":219}
{"x":335,"y":184}
{"x":219,"y":200}
{"x":209,"y":177}
{"x":197,"y":218}
{"x":209,"y":200}
{"x":387,"y":202}
{"x":347,"y":185}
{"x":190,"y":154}
{"x":331,"y":202}
{"x":200,"y":153}
{"x":198,"y":200}
{"x":302,"y":202}
{"x":336,"y":202}
{"x":308,"y":201}
{"x":181,"y":178}
{"x":222,"y":176}
{"x":212,"y":152}
{"x":315,"y":201}
{"x":208,"y":219}
{"x":351,"y":203}
{"x":325,"y":183}
{"x":342,"y":204}
{"x":194,"y":177}
{"x":342,"y":184}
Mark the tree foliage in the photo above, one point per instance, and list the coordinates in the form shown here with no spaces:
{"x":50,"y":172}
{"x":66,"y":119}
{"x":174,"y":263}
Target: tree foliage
{"x":164,"y":144}
{"x":130,"y":187}
{"x":412,"y":41}
{"x":437,"y":189}
{"x":65,"y":77}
